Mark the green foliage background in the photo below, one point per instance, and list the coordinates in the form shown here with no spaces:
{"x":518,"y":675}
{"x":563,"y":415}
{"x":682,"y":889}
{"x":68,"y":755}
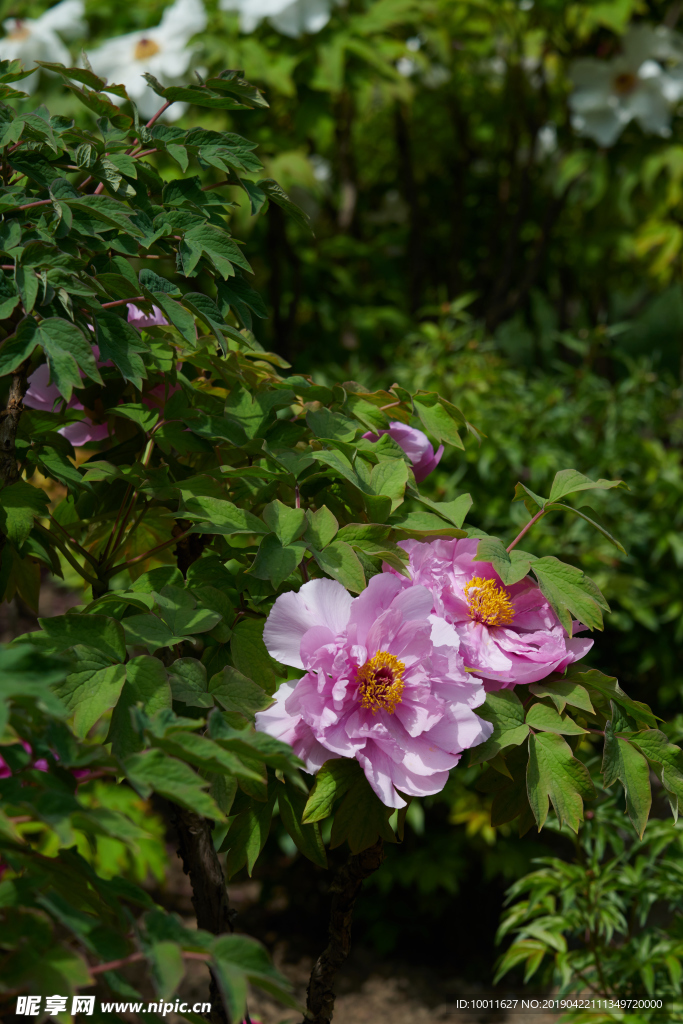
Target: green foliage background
{"x":538,"y":291}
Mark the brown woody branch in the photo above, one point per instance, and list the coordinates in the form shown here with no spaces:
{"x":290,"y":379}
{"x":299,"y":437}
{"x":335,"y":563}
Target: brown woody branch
{"x":9,"y":424}
{"x":345,"y":888}
{"x":209,"y":893}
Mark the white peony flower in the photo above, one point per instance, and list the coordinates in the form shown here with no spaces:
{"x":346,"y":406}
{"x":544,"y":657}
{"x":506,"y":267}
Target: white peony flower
{"x":29,"y":39}
{"x":292,"y":18}
{"x":162,"y":51}
{"x":641,"y":84}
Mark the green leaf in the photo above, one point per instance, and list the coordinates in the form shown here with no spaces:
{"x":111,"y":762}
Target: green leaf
{"x":593,"y":522}
{"x":511,"y":567}
{"x":506,"y":713}
{"x":562,"y":692}
{"x":67,"y":351}
{"x":93,"y":689}
{"x":389,"y":478}
{"x":219,"y":247}
{"x":277,"y":195}
{"x":249,"y":653}
{"x":609,"y":688}
{"x":622,"y":761}
{"x":20,"y":504}
{"x":439,"y":418}
{"x":247,"y":835}
{"x":146,"y":684}
{"x":178,"y":609}
{"x":568,"y":481}
{"x":331,"y":783}
{"x":121,"y":343}
{"x":188,"y":682}
{"x":454,"y":511}
{"x":153,"y":770}
{"x":361,"y":817}
{"x":287,"y":523}
{"x":333,"y":425}
{"x":222,"y":516}
{"x":276,"y":561}
{"x":321,"y":528}
{"x":554,"y":772}
{"x":422,"y":525}
{"x":570,"y":592}
{"x":101,"y":632}
{"x":539,"y":716}
{"x":340,"y":561}
{"x":307,"y":838}
{"x":237,"y":693}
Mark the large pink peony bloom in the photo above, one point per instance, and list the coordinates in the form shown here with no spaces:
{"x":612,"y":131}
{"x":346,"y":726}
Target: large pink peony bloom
{"x":384,"y":683}
{"x":416,"y":445}
{"x":508,"y":635}
{"x":43,"y":395}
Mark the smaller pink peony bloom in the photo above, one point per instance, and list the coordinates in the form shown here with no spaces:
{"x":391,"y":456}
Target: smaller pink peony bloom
{"x":508,"y":635}
{"x":138,"y":318}
{"x":416,"y":445}
{"x":384,"y":684}
{"x":43,"y":395}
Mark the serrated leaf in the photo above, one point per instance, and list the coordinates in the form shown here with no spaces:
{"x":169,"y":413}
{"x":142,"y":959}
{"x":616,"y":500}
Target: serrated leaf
{"x":147,"y":685}
{"x":539,"y":716}
{"x":511,"y":567}
{"x":20,"y":504}
{"x":91,"y":690}
{"x":622,"y":761}
{"x":361,"y":818}
{"x":307,"y":836}
{"x":563,"y":692}
{"x":571,"y":593}
{"x":553,"y":772}
{"x":568,"y":481}
{"x":153,"y":770}
{"x":340,"y":561}
{"x":505,"y":712}
{"x":100,"y":632}
{"x":331,"y":783}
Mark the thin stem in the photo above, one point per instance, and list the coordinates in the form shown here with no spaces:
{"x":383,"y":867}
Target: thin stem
{"x":113,"y":965}
{"x":122,"y":302}
{"x":124,"y":503}
{"x":147,"y":554}
{"x":40,"y":202}
{"x":158,"y":114}
{"x":297,"y":496}
{"x":92,"y":580}
{"x":218,"y":184}
{"x":527,"y":527}
{"x":74,"y":543}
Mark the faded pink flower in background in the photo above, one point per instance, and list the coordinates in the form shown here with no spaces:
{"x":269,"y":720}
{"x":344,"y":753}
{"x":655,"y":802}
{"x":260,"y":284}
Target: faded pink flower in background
{"x":40,"y":764}
{"x":43,"y":395}
{"x":384,"y":684}
{"x":415,"y":444}
{"x":508,"y":635}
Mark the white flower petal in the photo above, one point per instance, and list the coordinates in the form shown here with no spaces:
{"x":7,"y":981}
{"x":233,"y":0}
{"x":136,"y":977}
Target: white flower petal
{"x":318,"y":603}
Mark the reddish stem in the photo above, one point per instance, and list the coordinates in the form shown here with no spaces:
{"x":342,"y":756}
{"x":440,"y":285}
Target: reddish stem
{"x":114,"y":965}
{"x":527,"y":527}
{"x":122,"y":302}
{"x":158,"y":114}
{"x":40,"y":202}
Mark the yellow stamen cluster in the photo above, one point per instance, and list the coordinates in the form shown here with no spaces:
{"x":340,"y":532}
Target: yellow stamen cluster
{"x":145,"y":48}
{"x":489,"y":603}
{"x":380,"y":683}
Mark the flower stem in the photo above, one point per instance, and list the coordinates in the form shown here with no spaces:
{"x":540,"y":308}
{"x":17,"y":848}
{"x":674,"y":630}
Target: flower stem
{"x":524,"y":530}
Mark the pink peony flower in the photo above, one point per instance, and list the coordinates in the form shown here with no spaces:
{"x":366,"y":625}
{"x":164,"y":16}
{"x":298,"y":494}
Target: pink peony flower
{"x":41,"y":764}
{"x":416,"y":446}
{"x":384,"y":684}
{"x":141,"y":320}
{"x":43,"y":395}
{"x":508,"y":635}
